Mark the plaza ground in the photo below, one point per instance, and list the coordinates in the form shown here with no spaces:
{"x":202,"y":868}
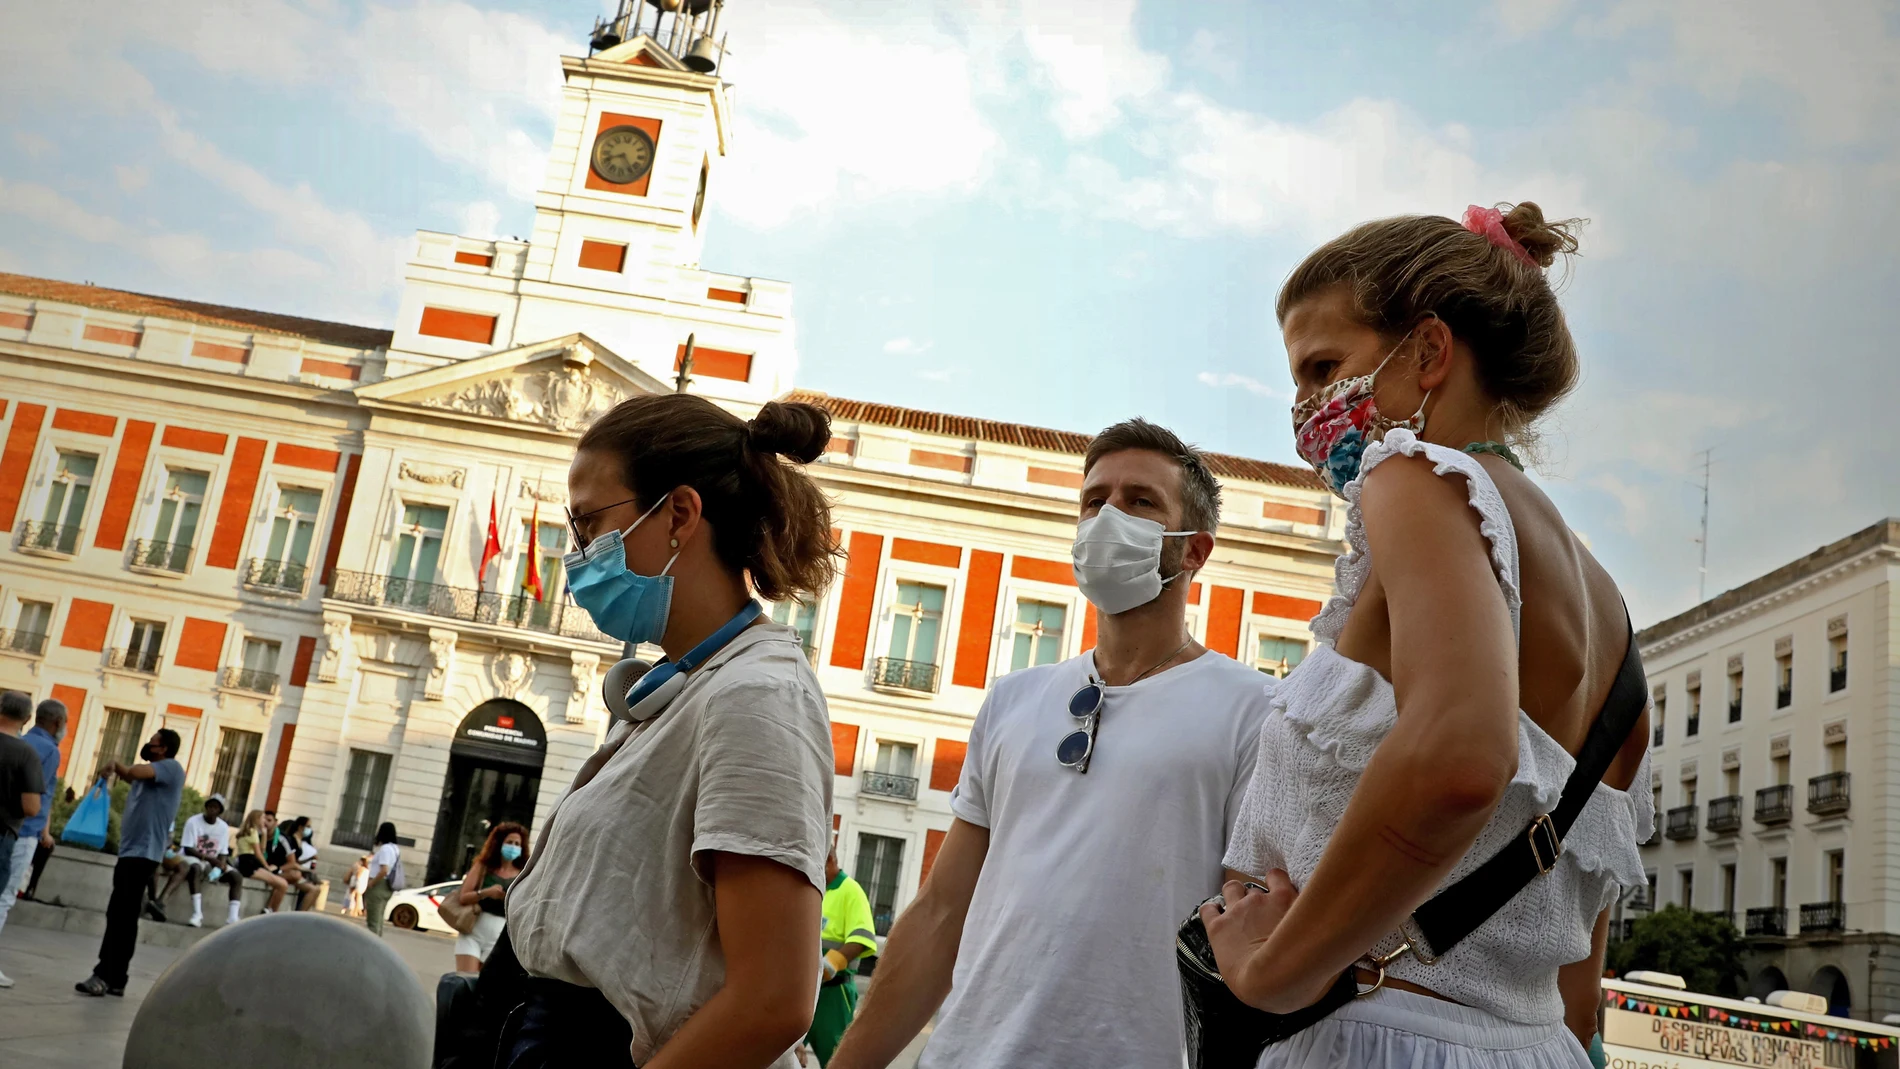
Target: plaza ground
{"x":44,"y":1024}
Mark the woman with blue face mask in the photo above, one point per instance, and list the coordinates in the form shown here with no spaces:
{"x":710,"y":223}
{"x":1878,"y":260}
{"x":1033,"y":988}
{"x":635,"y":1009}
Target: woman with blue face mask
{"x":502,"y":857}
{"x":667,"y":917}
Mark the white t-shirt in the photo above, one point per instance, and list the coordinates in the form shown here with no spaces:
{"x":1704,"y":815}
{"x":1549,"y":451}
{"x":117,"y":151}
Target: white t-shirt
{"x":384,"y":862}
{"x":1067,"y":958}
{"x":212,"y":839}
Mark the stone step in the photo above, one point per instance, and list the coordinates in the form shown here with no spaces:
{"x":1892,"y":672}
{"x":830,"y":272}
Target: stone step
{"x":92,"y":922}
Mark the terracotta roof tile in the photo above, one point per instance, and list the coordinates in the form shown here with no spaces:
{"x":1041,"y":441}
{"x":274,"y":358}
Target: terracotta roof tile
{"x":217,"y":315}
{"x":989,"y":430}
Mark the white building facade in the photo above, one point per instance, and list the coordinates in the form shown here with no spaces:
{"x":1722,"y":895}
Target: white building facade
{"x":267,"y":532}
{"x":1776,"y":734}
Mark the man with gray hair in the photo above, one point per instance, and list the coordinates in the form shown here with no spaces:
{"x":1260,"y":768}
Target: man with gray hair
{"x":22,"y":795}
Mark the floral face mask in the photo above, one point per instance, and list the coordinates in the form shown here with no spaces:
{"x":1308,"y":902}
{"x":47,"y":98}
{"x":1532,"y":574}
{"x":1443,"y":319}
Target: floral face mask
{"x":1332,"y":428}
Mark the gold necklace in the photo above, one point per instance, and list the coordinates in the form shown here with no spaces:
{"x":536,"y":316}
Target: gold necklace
{"x":1158,"y":664}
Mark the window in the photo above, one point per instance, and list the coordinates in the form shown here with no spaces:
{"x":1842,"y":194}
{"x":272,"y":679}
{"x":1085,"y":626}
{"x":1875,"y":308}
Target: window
{"x":1784,"y":680}
{"x":1778,"y":881}
{"x":1693,"y":725}
{"x":32,"y":626}
{"x":65,"y":512}
{"x":1278,"y":656}
{"x":1836,"y":755}
{"x":259,"y":671}
{"x":1837,"y":659}
{"x":236,"y":763}
{"x":1834,"y":863}
{"x":179,"y":509}
{"x":1731,"y":781}
{"x":880,"y":859}
{"x":125,"y":734}
{"x":537,"y":589}
{"x":1686,"y":880}
{"x":1038,"y":638}
{"x":1728,"y":890}
{"x":142,"y":652}
{"x":292,"y":527}
{"x":1735,"y":696}
{"x":916,"y":620}
{"x":1688,"y":791}
{"x":895,"y":758}
{"x":801,"y":616}
{"x":1651,"y":900}
{"x":362,"y":803}
{"x":1659,"y":704}
{"x":1780,"y":766}
{"x":418,"y":550}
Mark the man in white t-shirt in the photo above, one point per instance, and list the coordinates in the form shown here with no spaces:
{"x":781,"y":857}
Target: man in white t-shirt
{"x":1082,"y":839}
{"x":204,"y":850}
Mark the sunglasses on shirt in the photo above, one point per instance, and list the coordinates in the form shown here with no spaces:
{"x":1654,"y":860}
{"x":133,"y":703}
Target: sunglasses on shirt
{"x":1078,"y":746}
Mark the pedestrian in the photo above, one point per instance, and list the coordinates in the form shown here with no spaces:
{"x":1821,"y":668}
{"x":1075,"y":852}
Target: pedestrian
{"x":296,"y":857}
{"x":709,"y":807}
{"x":1474,"y":656}
{"x":249,"y":853}
{"x":145,"y":830}
{"x":22,"y":791}
{"x":356,"y":880}
{"x":847,"y":936}
{"x":486,"y":886}
{"x":1093,"y":808}
{"x":204,"y":849}
{"x":385,"y":877}
{"x":49,"y":723}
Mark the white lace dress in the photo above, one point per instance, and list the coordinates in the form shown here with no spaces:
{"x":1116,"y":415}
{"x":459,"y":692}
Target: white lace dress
{"x":1326,"y":719}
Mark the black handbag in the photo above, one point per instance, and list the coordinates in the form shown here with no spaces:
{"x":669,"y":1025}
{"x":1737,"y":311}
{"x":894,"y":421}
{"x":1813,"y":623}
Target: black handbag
{"x":1226,"y":1033}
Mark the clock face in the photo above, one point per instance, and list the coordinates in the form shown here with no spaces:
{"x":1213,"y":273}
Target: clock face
{"x":623,"y":154}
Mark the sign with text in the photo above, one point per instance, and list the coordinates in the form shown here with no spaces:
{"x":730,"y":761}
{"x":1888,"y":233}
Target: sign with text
{"x":504,"y":725}
{"x":1645,"y":1041}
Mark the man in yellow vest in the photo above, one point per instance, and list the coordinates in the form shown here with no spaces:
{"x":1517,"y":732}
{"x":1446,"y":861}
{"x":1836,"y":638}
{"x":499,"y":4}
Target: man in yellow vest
{"x":848,"y":934}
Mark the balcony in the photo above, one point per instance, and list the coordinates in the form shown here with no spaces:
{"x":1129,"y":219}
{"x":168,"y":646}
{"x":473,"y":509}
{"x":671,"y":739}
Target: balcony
{"x":31,"y":643}
{"x":1681,"y":823}
{"x":161,"y":556}
{"x":1766,"y":921}
{"x":1692,"y":726}
{"x":1656,"y":735}
{"x":1774,"y":805}
{"x":1725,"y":814}
{"x":1823,"y":916}
{"x":1784,"y":696}
{"x":905,"y":675}
{"x":1827,"y":794}
{"x":248,"y":679}
{"x":890,"y":785}
{"x":1735,"y":712}
{"x":143,"y":662}
{"x":275,"y":576}
{"x":550,"y":617}
{"x":1837,"y":678}
{"x":38,"y":537}
{"x":1727,"y":915}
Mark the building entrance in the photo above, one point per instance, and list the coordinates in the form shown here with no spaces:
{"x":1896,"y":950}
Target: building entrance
{"x":494,"y":776}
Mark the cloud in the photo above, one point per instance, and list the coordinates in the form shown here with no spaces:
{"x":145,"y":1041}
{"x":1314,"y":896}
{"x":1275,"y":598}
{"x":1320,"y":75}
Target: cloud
{"x":33,"y":145}
{"x":1089,"y":57}
{"x":1227,"y":380}
{"x":936,"y":374}
{"x":132,"y":179}
{"x":906,"y":347}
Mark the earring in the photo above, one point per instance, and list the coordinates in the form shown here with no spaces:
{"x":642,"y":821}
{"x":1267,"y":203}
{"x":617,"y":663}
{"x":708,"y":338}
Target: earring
{"x":675,"y":543}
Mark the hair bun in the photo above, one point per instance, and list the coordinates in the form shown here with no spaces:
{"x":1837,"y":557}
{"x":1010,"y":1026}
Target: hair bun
{"x":1543,"y":240}
{"x":791,"y":429}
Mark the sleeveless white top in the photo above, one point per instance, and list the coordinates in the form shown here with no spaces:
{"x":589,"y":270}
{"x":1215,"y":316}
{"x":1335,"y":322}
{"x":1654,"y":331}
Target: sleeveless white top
{"x":1329,"y":715}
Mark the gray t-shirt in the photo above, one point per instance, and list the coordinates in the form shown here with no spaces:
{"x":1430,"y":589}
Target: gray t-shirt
{"x":150,"y":811}
{"x":619,"y":899}
{"x":19,"y":774}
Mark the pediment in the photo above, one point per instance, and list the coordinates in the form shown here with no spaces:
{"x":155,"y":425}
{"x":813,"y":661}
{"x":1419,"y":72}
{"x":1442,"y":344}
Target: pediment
{"x":642,"y":51}
{"x":562,"y":385}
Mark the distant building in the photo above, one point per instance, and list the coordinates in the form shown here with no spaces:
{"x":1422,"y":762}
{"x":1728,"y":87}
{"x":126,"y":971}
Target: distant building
{"x":1777,"y":792}
{"x":264,"y":531}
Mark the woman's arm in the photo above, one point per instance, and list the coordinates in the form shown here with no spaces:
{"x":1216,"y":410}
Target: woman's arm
{"x":768,"y":917}
{"x":1435,"y":779}
{"x":470,"y":891}
{"x":1581,"y":984}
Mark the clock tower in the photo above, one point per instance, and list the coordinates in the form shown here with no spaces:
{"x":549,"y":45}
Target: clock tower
{"x":644,"y":126}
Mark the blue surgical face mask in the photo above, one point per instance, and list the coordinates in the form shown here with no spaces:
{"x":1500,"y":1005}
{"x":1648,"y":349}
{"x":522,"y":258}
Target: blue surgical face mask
{"x":510,"y":852}
{"x":624,"y":604}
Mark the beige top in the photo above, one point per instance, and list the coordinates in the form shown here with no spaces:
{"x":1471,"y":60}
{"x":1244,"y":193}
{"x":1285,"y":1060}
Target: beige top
{"x":618,"y":899}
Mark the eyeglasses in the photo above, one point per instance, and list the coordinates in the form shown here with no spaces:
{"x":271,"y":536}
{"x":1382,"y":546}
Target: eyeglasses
{"x":1078,"y":746}
{"x":574,"y":522}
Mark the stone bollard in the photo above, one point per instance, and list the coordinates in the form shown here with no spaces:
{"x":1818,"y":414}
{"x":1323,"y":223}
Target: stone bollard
{"x":294,"y":989}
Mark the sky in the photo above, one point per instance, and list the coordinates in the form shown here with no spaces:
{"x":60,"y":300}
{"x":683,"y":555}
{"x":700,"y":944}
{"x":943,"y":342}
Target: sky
{"x":1067,"y":213}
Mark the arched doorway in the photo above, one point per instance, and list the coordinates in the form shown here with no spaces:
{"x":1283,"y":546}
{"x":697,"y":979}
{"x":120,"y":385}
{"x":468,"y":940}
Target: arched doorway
{"x":1767,"y":982}
{"x":494,"y":775}
{"x":1831,"y":984}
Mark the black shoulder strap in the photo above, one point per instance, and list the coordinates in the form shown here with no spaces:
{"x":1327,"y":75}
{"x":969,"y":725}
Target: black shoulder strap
{"x":1458,"y":910}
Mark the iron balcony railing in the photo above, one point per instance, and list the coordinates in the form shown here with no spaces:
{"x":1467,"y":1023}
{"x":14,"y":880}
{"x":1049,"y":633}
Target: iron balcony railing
{"x":1774,"y":805}
{"x":551,"y":616}
{"x":1735,"y":712}
{"x":249,"y":679}
{"x":1655,"y":833}
{"x":1827,"y":794}
{"x":890,"y":785}
{"x":275,"y":576}
{"x":1725,"y":814}
{"x":1766,"y":920}
{"x":48,"y":537}
{"x":360,"y":840}
{"x":164,"y":556}
{"x":1823,"y":916}
{"x":1681,"y":823}
{"x":1727,"y":915}
{"x":905,"y":675}
{"x":1837,"y":678}
{"x":145,"y":662}
{"x":18,"y":641}
{"x":1691,"y":726}
{"x":1784,"y":696}
{"x":1656,"y":735}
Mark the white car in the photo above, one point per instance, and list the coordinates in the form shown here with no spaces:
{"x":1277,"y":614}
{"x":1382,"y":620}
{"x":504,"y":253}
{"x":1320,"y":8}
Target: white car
{"x":415,"y":907}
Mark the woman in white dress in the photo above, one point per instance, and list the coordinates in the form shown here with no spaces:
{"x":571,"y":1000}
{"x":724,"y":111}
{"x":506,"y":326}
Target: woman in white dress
{"x":1470,"y":646}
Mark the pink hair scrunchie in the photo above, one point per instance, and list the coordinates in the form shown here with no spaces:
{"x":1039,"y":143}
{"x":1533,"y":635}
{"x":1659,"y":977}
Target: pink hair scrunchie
{"x":1490,"y":223}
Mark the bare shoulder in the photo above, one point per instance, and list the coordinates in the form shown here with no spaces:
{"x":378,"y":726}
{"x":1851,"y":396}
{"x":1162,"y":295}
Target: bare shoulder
{"x":1412,"y":511}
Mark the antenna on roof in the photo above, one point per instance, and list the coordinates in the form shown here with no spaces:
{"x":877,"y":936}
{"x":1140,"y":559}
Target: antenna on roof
{"x":687,"y":30}
{"x":1702,"y":570}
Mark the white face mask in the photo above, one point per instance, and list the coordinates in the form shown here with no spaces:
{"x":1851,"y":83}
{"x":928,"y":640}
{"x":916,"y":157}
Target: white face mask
{"x":1118,"y":559}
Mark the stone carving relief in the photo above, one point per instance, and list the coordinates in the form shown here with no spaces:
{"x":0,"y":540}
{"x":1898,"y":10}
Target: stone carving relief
{"x":565,"y":398}
{"x":511,"y":670}
{"x":586,"y":668}
{"x":336,"y":641}
{"x":441,"y":658}
{"x":546,"y":494}
{"x":431,"y":476}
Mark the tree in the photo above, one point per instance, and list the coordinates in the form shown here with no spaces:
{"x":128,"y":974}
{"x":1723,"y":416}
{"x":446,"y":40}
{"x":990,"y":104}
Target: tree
{"x":1702,"y":948}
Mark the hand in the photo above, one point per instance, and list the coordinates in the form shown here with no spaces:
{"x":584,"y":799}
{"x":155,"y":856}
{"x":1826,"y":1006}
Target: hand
{"x":46,"y":837}
{"x":1237,"y":932}
{"x":494,"y":892}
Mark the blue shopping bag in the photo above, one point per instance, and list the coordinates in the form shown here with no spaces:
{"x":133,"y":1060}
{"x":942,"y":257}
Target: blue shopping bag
{"x":87,"y":825}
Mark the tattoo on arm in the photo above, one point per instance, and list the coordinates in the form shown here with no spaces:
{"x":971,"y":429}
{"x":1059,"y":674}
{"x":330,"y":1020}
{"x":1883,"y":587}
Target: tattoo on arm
{"x":1408,"y":849}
